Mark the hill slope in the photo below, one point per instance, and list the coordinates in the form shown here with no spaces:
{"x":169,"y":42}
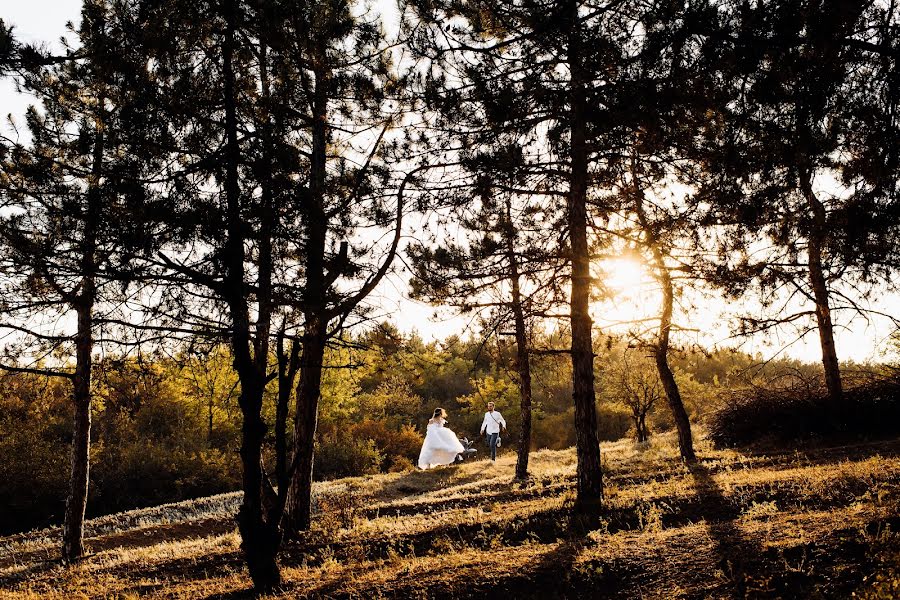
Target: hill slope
{"x":818,"y":523}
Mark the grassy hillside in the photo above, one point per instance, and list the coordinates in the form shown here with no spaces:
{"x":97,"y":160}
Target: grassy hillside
{"x":813,"y":523}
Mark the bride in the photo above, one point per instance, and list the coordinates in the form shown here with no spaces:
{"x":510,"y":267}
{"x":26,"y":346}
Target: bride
{"x":441,"y":447}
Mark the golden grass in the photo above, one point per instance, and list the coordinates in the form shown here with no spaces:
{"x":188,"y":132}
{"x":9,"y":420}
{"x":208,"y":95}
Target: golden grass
{"x":667,"y":532}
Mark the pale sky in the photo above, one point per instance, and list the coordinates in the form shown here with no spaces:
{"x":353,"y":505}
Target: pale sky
{"x":45,"y":20}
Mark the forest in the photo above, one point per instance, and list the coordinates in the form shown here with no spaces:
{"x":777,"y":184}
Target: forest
{"x":208,"y":205}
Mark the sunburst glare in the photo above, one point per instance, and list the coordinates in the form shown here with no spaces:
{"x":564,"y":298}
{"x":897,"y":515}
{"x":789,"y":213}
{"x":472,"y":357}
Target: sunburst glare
{"x":626,"y":291}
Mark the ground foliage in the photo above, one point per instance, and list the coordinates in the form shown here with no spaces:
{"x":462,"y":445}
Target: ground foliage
{"x":799,"y":409}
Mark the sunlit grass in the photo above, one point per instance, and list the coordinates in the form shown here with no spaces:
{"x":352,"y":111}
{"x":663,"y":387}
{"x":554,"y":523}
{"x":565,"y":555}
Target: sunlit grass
{"x":410,"y":532}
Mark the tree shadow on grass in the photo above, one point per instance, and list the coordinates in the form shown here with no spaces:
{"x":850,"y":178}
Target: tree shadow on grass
{"x":547,"y":578}
{"x":544,"y":578}
{"x":419,"y":482}
{"x":736,"y":552}
{"x":34,"y":568}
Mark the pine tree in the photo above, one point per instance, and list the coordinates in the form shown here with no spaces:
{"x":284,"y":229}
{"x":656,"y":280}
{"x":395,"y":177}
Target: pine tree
{"x":806,"y":158}
{"x":74,"y":195}
{"x":545,"y":71}
{"x":275,"y":170}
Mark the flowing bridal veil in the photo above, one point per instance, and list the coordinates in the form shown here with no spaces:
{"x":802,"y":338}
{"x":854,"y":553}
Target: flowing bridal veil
{"x":441,"y":446}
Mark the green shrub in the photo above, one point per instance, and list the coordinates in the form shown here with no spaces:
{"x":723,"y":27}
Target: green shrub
{"x":35,"y":438}
{"x":613,"y":422}
{"x":553,"y":431}
{"x":346,"y":456}
{"x":144,"y":473}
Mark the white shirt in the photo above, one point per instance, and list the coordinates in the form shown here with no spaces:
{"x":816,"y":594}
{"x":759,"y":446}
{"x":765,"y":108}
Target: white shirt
{"x":492,"y":422}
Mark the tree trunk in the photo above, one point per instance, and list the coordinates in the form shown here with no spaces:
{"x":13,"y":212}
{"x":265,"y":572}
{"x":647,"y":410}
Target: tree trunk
{"x":670,"y":386}
{"x":260,"y":540}
{"x":76,"y":501}
{"x":523,"y":359}
{"x":640,"y":424}
{"x":589,"y":470}
{"x":821,"y":296}
{"x":676,"y":405}
{"x":288,"y":364}
{"x":298,"y":499}
{"x":661,"y":349}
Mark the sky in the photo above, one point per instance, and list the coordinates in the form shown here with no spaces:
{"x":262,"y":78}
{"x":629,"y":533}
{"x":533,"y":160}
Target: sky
{"x":45,"y":21}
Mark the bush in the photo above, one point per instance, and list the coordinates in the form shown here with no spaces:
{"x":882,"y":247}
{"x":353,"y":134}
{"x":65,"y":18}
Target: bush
{"x":398,"y":447}
{"x":345,"y":456}
{"x":144,"y":473}
{"x":556,"y":431}
{"x":552,"y":430}
{"x":801,"y":410}
{"x":613,"y":422}
{"x":35,"y":437}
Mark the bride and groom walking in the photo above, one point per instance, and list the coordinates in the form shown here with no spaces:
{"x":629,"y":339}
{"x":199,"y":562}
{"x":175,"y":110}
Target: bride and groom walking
{"x":442,"y":447}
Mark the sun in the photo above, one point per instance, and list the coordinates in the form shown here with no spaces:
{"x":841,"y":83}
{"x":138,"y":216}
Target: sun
{"x":627,"y":291}
{"x":620,"y":275}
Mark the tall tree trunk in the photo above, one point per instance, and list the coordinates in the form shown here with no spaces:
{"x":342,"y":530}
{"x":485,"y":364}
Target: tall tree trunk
{"x":298,"y":499}
{"x":523,"y":360}
{"x":76,"y":502}
{"x":589,"y":470}
{"x":259,"y":540}
{"x":288,"y":364}
{"x":676,"y":405}
{"x":820,"y":294}
{"x":661,"y":349}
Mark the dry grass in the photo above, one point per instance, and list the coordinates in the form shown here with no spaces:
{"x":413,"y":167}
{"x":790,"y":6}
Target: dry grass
{"x":822,"y":523}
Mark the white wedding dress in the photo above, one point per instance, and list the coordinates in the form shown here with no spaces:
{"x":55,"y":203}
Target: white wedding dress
{"x":440,"y":447}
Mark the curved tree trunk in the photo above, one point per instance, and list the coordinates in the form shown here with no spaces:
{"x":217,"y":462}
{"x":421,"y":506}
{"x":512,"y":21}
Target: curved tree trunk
{"x":589,"y":470}
{"x":661,"y":348}
{"x":820,"y":295}
{"x":670,"y":386}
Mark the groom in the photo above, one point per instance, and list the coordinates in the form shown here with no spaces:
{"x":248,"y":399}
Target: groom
{"x":492,"y":424}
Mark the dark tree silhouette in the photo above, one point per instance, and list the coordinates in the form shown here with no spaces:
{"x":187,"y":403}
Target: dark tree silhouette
{"x":280,"y":149}
{"x":807,"y":160}
{"x":548,"y":70}
{"x":9,"y":48}
{"x":639,"y":389}
{"x":664,"y":103}
{"x":72,"y":200}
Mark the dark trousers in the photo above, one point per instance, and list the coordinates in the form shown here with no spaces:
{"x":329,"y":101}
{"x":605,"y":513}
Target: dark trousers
{"x":492,"y":444}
